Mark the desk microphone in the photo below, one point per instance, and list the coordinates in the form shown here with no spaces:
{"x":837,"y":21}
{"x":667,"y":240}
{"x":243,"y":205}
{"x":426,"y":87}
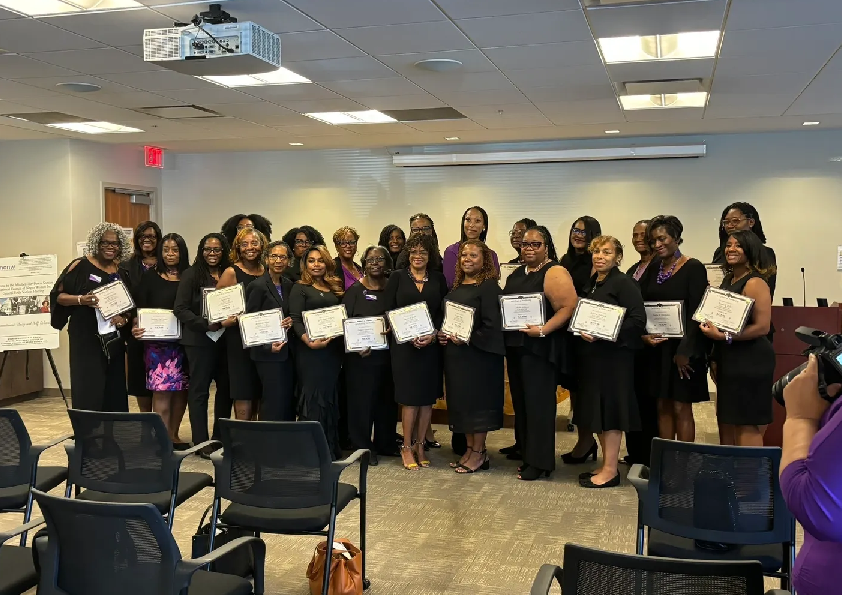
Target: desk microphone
{"x":804,"y":288}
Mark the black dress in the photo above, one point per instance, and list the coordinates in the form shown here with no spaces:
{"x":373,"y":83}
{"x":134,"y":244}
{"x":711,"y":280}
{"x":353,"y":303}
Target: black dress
{"x":744,"y":373}
{"x":318,"y":369}
{"x":134,"y":269}
{"x":97,"y":367}
{"x":275,"y":370}
{"x":474,"y":372}
{"x":368,"y":380}
{"x":687,"y":285}
{"x":417,"y":372}
{"x":242,"y":373}
{"x":607,"y":401}
{"x":580,"y":267}
{"x":533,"y":364}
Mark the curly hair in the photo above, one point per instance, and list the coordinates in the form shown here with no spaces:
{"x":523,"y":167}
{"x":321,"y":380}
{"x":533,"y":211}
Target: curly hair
{"x":234,"y":256}
{"x":488,"y":270}
{"x":340,"y":234}
{"x":600,"y":241}
{"x":138,"y":232}
{"x":671,"y":224}
{"x":426,"y":242}
{"x":757,"y":258}
{"x":335,"y":283}
{"x":95,"y":237}
{"x":261,"y":224}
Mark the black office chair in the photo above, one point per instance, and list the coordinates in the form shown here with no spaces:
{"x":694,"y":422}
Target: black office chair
{"x":17,"y":570}
{"x":280,"y":479}
{"x":19,"y":469}
{"x":102,"y":548}
{"x":711,"y":502}
{"x":129,"y":458}
{"x":588,"y":571}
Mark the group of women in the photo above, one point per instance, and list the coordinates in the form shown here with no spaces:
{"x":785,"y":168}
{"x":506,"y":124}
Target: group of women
{"x":642,"y":384}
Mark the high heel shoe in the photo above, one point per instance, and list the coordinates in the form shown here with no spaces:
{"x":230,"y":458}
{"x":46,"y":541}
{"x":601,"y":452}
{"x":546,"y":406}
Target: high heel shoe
{"x":457,"y":463}
{"x":533,"y":473}
{"x":420,"y":454}
{"x":568,"y":458}
{"x":611,"y":483}
{"x":428,"y":444}
{"x":486,"y":464}
{"x":413,"y":466}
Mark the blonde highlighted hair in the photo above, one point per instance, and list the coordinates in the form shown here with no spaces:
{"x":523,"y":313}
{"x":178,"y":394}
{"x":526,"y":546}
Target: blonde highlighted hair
{"x":340,"y":234}
{"x":600,"y":241}
{"x":238,"y":239}
{"x":337,"y":287}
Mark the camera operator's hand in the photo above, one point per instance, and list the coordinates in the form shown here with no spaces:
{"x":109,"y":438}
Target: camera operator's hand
{"x":802,"y":397}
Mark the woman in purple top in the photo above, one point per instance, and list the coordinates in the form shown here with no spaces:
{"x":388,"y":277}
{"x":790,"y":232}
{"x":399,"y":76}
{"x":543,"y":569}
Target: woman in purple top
{"x":811,"y":480}
{"x":345,"y":239}
{"x":474,"y":227}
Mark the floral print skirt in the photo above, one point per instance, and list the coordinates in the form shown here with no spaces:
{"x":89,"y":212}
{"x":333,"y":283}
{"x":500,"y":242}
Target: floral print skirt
{"x":166,"y":366}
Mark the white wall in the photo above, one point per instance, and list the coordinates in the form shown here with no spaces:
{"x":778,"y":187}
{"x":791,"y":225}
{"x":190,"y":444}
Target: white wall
{"x":787,"y":176}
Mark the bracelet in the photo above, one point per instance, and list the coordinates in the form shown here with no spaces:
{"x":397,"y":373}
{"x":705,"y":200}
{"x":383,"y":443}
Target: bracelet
{"x":728,"y":337}
{"x":79,"y":299}
{"x":541,"y":331}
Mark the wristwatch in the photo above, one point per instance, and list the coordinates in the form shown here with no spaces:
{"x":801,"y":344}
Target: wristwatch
{"x":541,"y":331}
{"x":728,"y":337}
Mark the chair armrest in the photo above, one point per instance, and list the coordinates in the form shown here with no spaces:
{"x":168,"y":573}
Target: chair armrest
{"x":180,"y":455}
{"x":544,"y":581}
{"x":185,"y":569}
{"x":7,"y":535}
{"x":639,"y":477}
{"x":37,"y":449}
{"x":362,"y":455}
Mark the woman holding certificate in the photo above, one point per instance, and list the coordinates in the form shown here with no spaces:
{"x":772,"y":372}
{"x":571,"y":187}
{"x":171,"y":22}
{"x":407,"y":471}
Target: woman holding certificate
{"x":606,"y":403}
{"x":676,"y":365}
{"x":743,"y":364}
{"x":416,"y":357}
{"x":165,"y":361}
{"x":537,"y":302}
{"x":97,"y":352}
{"x":742,"y":216}
{"x":473,"y":343}
{"x":474,"y":227}
{"x":246,"y":267}
{"x":319,"y":359}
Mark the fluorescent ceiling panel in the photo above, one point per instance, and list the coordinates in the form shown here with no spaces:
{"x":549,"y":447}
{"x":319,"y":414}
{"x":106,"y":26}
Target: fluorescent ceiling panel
{"x":282,"y":76}
{"x":365,"y":117}
{"x":95,"y":127}
{"x":678,"y":46}
{"x":53,"y":7}
{"x":663,"y":101}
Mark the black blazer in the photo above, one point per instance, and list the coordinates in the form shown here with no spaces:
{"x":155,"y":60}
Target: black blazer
{"x":188,"y":309}
{"x":261,"y":295}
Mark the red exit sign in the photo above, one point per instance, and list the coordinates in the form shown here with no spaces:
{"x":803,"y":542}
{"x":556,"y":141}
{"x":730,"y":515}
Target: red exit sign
{"x":154,"y":157}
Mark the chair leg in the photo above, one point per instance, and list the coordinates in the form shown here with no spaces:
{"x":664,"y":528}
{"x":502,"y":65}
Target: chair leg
{"x":366,"y":582}
{"x":641,"y":536}
{"x":331,"y":530}
{"x":27,"y":515}
{"x":214,"y":519}
{"x":171,"y":513}
{"x":68,"y":489}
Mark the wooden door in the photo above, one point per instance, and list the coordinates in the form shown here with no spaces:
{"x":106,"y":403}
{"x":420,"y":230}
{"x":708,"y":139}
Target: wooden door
{"x":120,"y":209}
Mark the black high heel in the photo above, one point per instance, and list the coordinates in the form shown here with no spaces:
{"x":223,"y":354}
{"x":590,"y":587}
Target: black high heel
{"x":533,"y":473}
{"x":486,"y":465}
{"x":568,"y":458}
{"x":611,"y":483}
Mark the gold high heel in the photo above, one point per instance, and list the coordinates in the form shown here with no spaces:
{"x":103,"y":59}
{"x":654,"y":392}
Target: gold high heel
{"x":408,"y":466}
{"x":420,"y":454}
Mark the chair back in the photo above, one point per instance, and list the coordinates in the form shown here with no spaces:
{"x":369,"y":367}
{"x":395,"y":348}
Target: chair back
{"x":101,"y":548}
{"x":717,"y":494}
{"x":16,"y":459}
{"x":595,"y":572}
{"x":274,"y":464}
{"x":120,"y":453}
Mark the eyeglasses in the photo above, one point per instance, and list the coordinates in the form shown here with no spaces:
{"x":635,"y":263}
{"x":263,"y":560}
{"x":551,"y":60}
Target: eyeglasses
{"x":212,"y":250}
{"x":277,"y":257}
{"x":419,"y":253}
{"x":375,"y":260}
{"x":246,"y":226}
{"x":303,"y":242}
{"x":344,"y":243}
{"x":425,"y":229}
{"x":252,"y":244}
{"x":578,"y":232}
{"x":104,"y":244}
{"x":733,"y":222}
{"x":532,"y":245}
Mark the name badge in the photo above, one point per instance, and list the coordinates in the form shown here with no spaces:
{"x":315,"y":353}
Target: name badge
{"x":370,"y":297}
{"x":94,"y":278}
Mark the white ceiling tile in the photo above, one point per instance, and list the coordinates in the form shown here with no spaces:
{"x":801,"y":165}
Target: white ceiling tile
{"x":823,"y":95}
{"x":159,"y":80}
{"x":658,"y":18}
{"x":203,"y":96}
{"x":8,"y":107}
{"x":571,"y":93}
{"x":445,"y":125}
{"x":400,"y":102}
{"x":498,"y":97}
{"x":545,"y":55}
{"x":661,"y":71}
{"x":29,"y":35}
{"x":133,"y":100}
{"x":777,"y":62}
{"x":315,"y":129}
{"x":97,"y":61}
{"x":818,"y":40}
{"x":50,"y":83}
{"x":18,"y":91}
{"x":559,"y":77}
{"x":409,"y":38}
{"x":8,"y":14}
{"x":20,"y":133}
{"x":363,"y":13}
{"x":290,"y":92}
{"x":461,"y":83}
{"x":341,"y":69}
{"x":369,"y":129}
{"x":472,"y":61}
{"x":463,"y":9}
{"x":762,"y":14}
{"x":582,"y":112}
{"x":123,"y":27}
{"x":665,"y":115}
{"x":265,"y":113}
{"x":82,"y":108}
{"x":545,"y":27}
{"x":773,"y":84}
{"x":322,"y":105}
{"x":375,"y":87}
{"x":514,"y":122}
{"x":274,"y":15}
{"x":746,"y":105}
{"x":13,"y":66}
{"x":316,"y":45}
{"x":510,"y":110}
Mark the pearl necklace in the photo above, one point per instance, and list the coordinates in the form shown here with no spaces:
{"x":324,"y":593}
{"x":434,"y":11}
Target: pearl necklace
{"x":540,"y":266}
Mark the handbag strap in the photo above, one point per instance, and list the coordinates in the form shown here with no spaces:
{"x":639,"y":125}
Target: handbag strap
{"x":204,"y":516}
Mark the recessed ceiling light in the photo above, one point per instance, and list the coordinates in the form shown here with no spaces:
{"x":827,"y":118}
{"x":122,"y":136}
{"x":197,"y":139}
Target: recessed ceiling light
{"x":451,"y":138}
{"x":663,"y":101}
{"x":282,"y":76}
{"x":612,"y":132}
{"x":811,"y":123}
{"x":296,"y":144}
{"x":95,"y":127}
{"x":54,"y":7}
{"x":79,"y":87}
{"x":680,"y":46}
{"x":366,"y":117}
{"x":439,"y":65}
{"x":836,"y":159}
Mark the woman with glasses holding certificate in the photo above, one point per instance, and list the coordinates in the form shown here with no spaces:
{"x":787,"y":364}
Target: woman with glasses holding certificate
{"x":473,"y":343}
{"x":368,"y":370}
{"x":318,"y":360}
{"x":742,"y":216}
{"x":273,"y":361}
{"x":537,"y":303}
{"x":607,"y":405}
{"x":743,"y":364}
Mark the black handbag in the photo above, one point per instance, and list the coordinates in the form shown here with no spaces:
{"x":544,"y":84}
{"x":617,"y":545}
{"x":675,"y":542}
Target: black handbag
{"x":239,"y":562}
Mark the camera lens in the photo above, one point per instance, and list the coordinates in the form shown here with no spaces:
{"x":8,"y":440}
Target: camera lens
{"x":780,"y":385}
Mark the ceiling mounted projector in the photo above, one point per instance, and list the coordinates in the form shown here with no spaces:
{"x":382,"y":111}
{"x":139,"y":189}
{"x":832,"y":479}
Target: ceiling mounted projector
{"x":215,"y":44}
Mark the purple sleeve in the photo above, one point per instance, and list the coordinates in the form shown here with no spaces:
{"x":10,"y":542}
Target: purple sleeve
{"x":449,"y":264}
{"x":496,"y":262}
{"x":812,"y":487}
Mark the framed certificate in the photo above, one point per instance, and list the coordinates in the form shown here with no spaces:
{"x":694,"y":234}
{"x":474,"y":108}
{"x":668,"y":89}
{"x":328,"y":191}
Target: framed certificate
{"x":325,"y":323}
{"x":411,"y":322}
{"x":262,"y":328}
{"x":715,"y":275}
{"x":113,"y":299}
{"x":205,"y":291}
{"x":521,"y":309}
{"x":365,"y":333}
{"x":506,"y":270}
{"x":665,"y":319}
{"x":225,"y":302}
{"x":458,"y":320}
{"x":597,"y":319}
{"x":158,"y":325}
{"x":727,"y":310}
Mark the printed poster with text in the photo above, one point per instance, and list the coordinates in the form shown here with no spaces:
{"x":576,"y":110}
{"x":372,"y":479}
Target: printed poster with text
{"x":25,"y":284}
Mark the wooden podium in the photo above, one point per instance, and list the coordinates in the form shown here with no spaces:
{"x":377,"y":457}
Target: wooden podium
{"x":788,"y":349}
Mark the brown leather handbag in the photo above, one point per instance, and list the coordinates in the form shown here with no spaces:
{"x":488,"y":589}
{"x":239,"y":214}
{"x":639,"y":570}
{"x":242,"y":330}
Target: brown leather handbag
{"x":345,"y":570}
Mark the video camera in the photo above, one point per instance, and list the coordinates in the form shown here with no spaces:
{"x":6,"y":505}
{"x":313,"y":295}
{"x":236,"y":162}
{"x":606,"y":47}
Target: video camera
{"x":828,"y":352}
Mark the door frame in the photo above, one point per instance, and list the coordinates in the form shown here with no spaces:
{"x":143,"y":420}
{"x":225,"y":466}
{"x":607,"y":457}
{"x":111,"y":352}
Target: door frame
{"x":154,"y":208}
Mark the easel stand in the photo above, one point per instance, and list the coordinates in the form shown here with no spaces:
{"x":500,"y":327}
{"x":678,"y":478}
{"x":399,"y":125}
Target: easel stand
{"x":52,"y":366}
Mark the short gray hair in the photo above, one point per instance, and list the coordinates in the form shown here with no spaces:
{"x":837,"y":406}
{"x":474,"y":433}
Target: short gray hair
{"x":99,"y":230}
